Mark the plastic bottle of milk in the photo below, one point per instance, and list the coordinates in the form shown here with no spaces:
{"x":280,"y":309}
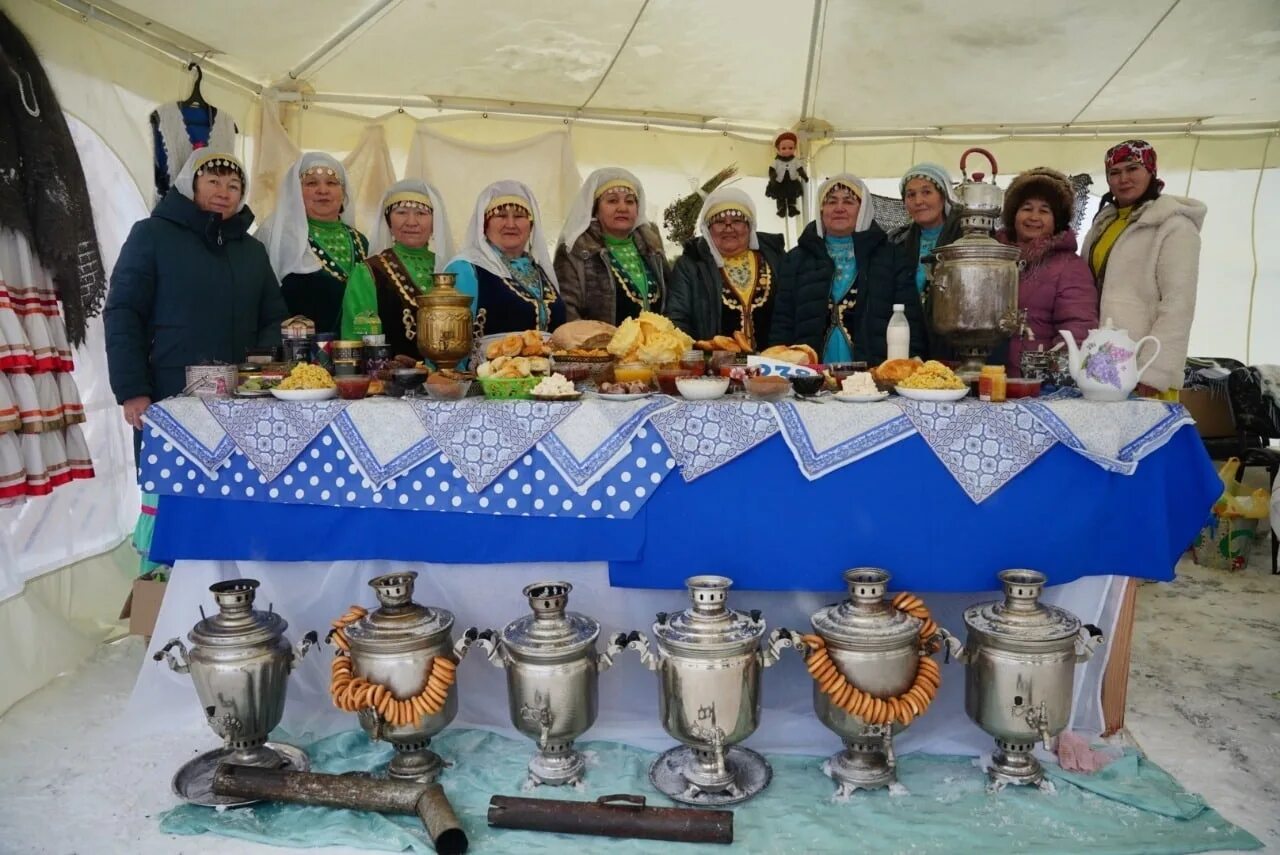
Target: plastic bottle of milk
{"x":899,"y":334}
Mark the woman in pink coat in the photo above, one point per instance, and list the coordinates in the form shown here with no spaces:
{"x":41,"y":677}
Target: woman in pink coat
{"x":1055,"y":287}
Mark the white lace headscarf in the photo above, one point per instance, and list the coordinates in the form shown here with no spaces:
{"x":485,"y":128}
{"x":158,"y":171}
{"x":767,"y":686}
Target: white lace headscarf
{"x":866,"y":210}
{"x":478,"y":251}
{"x":724,"y":199}
{"x":284,"y":233}
{"x":441,"y":243}
{"x":583,"y":210}
{"x":185,"y":182}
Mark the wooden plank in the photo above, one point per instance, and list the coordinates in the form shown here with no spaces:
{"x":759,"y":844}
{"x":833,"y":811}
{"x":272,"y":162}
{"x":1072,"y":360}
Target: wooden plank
{"x":1115,"y":681}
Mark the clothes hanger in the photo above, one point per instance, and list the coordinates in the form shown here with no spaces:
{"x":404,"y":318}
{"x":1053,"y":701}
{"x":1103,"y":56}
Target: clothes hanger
{"x":196,"y":98}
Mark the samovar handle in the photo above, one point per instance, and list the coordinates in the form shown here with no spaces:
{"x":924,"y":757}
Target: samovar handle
{"x":470,"y":637}
{"x":639,"y":642}
{"x":954,"y":647}
{"x":311,"y":639}
{"x":487,"y":641}
{"x":778,"y":639}
{"x":618,"y":642}
{"x":181,"y":664}
{"x":1090,"y":640}
{"x":978,"y":176}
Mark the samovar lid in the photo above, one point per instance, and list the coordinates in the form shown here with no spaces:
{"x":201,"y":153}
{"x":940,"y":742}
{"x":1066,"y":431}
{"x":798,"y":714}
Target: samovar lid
{"x":866,"y":621}
{"x":550,"y":632}
{"x":1021,"y":616}
{"x":976,"y":247}
{"x":709,"y":626}
{"x":237,"y":623}
{"x":398,"y":623}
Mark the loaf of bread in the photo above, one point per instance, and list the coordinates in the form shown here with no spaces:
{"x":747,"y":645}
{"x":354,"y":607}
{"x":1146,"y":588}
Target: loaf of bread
{"x":582,"y":335}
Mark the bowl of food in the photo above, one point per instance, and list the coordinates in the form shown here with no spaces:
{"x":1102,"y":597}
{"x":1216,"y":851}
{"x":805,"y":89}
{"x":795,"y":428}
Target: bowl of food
{"x":353,"y":387}
{"x":632,"y":372}
{"x":509,"y":388}
{"x":807,"y":385}
{"x":702,"y":388}
{"x":447,"y":387}
{"x":1022,"y":387}
{"x":768,"y":387}
{"x":409,"y":379}
{"x":306,"y":382}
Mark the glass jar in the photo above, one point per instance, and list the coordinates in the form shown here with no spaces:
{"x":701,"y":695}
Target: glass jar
{"x":695,"y":362}
{"x":992,"y":384}
{"x":377,"y":358}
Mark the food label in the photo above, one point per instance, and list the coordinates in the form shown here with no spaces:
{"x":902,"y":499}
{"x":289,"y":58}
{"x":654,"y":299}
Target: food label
{"x":780,"y":369}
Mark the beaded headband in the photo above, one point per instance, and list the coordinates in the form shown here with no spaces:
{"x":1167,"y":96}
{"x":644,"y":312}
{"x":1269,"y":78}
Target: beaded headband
{"x":408,"y":199}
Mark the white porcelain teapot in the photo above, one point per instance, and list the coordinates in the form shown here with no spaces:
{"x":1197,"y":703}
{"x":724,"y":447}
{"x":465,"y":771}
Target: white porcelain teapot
{"x":1105,"y":365}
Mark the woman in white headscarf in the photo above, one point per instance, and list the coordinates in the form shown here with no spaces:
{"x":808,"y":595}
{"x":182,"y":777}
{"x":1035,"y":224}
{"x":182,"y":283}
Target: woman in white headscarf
{"x":504,"y":264}
{"x":410,"y":244}
{"x":726,"y":280}
{"x":842,"y":279}
{"x":610,"y":261}
{"x":312,"y":240}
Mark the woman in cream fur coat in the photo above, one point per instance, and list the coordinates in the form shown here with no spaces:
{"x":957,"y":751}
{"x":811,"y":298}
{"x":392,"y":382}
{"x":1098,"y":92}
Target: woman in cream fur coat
{"x":1144,"y":251}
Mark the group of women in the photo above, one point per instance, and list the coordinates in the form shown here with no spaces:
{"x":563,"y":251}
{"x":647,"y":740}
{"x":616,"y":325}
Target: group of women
{"x":191,"y":285}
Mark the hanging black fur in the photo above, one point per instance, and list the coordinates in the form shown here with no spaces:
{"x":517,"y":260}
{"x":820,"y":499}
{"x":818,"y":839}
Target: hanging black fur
{"x":42,"y":189}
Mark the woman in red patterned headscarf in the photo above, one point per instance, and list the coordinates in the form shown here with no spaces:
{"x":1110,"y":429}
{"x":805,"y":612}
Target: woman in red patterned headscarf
{"x":1144,"y":251}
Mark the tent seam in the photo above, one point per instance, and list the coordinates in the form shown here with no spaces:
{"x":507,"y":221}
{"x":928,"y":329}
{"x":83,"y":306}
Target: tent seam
{"x":617,"y":55}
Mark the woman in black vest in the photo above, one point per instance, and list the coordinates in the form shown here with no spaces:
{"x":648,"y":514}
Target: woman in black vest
{"x":312,"y":240}
{"x":505,"y":266}
{"x":410,"y":244}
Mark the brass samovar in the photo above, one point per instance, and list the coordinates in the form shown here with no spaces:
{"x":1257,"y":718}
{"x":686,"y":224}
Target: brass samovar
{"x":973,"y":298}
{"x":444,"y":322}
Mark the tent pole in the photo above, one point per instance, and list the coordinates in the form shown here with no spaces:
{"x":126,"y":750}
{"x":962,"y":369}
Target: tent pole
{"x":816,"y":30}
{"x":104,"y":14}
{"x":364,"y":19}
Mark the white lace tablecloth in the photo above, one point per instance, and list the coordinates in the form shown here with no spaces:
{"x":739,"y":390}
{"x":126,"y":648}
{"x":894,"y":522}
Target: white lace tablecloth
{"x":983,"y":446}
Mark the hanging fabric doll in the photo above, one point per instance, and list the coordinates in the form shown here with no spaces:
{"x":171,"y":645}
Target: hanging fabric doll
{"x":786,"y":176}
{"x":181,"y":127}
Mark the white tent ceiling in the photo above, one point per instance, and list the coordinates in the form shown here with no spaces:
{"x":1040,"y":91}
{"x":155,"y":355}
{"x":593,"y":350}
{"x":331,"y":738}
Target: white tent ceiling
{"x":849,"y":65}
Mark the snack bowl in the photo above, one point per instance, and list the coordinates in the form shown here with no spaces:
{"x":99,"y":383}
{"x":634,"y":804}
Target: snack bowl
{"x":807,"y":385}
{"x":353,"y":387}
{"x":1022,"y":387}
{"x":702,"y":388}
{"x":767,"y":388}
{"x":305,"y":394}
{"x":442,"y":388}
{"x":408,"y":379}
{"x":625,"y":372}
{"x":508,"y":388}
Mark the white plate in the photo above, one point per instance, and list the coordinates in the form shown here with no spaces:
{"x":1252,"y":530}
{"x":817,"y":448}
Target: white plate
{"x":623,"y":396}
{"x":305,"y":394}
{"x":933,"y":394}
{"x":861,"y":399}
{"x":550,"y":398}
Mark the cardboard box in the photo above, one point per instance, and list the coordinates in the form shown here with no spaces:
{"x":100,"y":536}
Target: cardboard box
{"x":1211,"y":408}
{"x":143,"y":605}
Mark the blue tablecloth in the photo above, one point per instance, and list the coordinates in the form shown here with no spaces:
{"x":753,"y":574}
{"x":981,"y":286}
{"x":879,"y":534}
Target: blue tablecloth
{"x":760,"y":521}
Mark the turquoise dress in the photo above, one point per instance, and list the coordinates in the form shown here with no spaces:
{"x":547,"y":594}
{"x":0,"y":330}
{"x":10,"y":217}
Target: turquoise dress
{"x":839,"y":346}
{"x":928,"y":240}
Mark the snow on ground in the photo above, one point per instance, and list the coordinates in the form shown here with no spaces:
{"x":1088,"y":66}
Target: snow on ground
{"x":1204,"y":703}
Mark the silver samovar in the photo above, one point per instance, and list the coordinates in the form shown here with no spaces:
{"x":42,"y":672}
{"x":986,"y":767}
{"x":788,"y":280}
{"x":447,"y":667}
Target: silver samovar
{"x":709,"y":662}
{"x":239,"y":661}
{"x":552,"y":668}
{"x":1020,"y":658}
{"x":877,"y":649}
{"x":973,"y":297}
{"x":395,"y":646}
